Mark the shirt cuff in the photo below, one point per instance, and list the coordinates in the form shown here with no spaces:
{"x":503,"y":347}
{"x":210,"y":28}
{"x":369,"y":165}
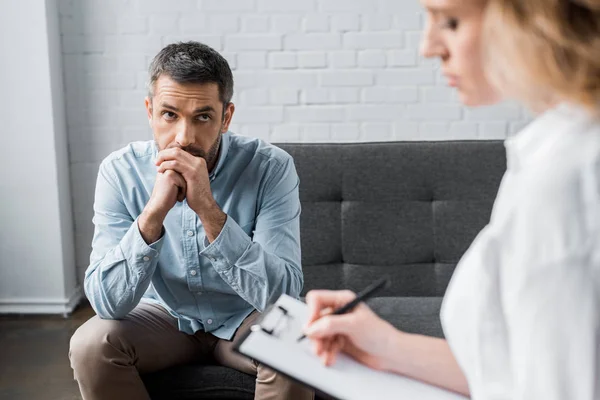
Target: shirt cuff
{"x":228,"y":247}
{"x":139,"y":255}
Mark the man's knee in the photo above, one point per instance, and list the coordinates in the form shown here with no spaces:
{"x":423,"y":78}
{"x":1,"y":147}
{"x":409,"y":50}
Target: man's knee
{"x":94,"y":343}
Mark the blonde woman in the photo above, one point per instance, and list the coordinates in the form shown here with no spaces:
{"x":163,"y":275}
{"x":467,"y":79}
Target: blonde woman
{"x":522,"y":313}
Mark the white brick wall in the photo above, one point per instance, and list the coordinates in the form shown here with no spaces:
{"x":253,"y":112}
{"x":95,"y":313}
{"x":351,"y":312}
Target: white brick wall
{"x":305,"y":70}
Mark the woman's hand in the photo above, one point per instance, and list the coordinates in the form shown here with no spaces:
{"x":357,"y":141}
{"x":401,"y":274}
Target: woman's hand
{"x":360,"y":333}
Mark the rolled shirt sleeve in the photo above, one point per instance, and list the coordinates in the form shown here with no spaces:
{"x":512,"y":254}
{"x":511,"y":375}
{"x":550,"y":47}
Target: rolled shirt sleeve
{"x":267,"y":265}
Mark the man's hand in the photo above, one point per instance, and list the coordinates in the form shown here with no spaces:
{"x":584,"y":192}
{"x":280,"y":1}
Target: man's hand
{"x":169,"y":188}
{"x":197,"y":190}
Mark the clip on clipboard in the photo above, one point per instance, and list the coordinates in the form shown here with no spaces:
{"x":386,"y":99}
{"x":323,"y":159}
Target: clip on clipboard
{"x":272,"y":341}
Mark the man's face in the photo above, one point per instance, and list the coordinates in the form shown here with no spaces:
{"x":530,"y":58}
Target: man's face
{"x":189,"y":116}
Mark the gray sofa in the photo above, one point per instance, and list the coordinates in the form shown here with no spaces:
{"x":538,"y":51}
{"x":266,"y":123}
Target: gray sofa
{"x":405,"y":209}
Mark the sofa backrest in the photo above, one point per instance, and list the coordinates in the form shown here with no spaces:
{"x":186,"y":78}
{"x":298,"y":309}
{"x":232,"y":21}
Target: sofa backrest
{"x":406,"y":209}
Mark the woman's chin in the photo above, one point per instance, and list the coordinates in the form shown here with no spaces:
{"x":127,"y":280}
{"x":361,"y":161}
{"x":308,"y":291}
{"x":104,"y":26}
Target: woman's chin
{"x":476,"y":99}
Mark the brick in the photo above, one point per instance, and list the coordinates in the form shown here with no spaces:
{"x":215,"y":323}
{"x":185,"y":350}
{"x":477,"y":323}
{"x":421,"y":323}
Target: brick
{"x":228,"y":6}
{"x":118,"y":80}
{"x":198,"y":23}
{"x":304,"y":6}
{"x":345,"y":95}
{"x":408,"y":21}
{"x":405,"y":77}
{"x":390,"y":95}
{"x":347,"y":78}
{"x":253,"y":42}
{"x":132,"y":25}
{"x":500,"y":112}
{"x":377,"y":131}
{"x":363,"y":113}
{"x":131,"y":44}
{"x":345,"y":22}
{"x":493,"y":130}
{"x":132,"y":98}
{"x":252,"y":60}
{"x":345,"y":132}
{"x":283,"y":96}
{"x":312,"y":41}
{"x":286,"y":23}
{"x":255,"y":24}
{"x":373,"y":40}
{"x":438,"y":94}
{"x":360,"y":6}
{"x":343,"y":59}
{"x":283,"y":60}
{"x":164,"y":24}
{"x":402,"y":58}
{"x":312,"y":59}
{"x":316,"y":133}
{"x":372,"y":59}
{"x":254,"y":97}
{"x":316,"y":96}
{"x":463,"y":130}
{"x":430,"y":112}
{"x":160,"y":7}
{"x":404,"y":130}
{"x":413,"y":40}
{"x":274,"y":79}
{"x":286,"y":133}
{"x":315,"y":114}
{"x":260,"y":131}
{"x":262,"y":115}
{"x":316,"y":23}
{"x":376,"y":22}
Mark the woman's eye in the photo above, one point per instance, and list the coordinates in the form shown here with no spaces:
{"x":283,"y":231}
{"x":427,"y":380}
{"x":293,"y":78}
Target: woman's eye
{"x":451,"y":23}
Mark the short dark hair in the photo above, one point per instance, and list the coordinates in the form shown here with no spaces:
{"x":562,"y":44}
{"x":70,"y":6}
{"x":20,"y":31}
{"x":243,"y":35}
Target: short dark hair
{"x":192,"y":62}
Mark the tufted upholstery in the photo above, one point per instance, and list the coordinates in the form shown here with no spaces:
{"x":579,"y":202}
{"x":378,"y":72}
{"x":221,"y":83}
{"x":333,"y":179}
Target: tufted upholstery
{"x":406,"y":209}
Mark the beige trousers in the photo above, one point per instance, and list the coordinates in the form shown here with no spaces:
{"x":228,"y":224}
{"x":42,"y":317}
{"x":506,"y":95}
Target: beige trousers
{"x":108,"y":356}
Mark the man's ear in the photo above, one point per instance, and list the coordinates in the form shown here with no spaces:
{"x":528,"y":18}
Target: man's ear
{"x":227,"y":117}
{"x":148,"y":103}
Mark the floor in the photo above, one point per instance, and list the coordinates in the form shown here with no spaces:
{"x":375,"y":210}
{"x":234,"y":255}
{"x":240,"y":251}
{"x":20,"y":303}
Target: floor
{"x":33,"y":356}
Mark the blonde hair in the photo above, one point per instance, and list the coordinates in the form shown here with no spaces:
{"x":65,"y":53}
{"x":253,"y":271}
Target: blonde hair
{"x":542,"y":51}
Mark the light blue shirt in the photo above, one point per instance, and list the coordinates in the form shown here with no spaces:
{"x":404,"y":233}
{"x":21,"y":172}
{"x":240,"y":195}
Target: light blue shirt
{"x":211,"y":287}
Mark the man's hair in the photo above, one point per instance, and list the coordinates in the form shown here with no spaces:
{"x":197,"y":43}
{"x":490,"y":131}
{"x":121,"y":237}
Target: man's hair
{"x":192,"y":62}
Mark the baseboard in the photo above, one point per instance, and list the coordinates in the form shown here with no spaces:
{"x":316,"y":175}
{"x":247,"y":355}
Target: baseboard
{"x":42,"y":305}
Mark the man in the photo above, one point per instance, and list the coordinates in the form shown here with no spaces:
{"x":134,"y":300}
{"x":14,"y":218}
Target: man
{"x":195,"y":233}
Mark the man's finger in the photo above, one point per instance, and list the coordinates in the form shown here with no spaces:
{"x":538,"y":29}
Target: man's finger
{"x":172,"y":154}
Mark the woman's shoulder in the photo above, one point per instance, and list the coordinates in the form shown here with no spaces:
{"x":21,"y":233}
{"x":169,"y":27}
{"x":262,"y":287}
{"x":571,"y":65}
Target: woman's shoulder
{"x":558,"y":204}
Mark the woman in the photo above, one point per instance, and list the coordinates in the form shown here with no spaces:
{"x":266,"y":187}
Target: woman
{"x":522,"y":312}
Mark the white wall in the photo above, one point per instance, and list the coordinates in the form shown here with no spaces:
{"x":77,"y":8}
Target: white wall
{"x":37,"y":261}
{"x":305,"y":70}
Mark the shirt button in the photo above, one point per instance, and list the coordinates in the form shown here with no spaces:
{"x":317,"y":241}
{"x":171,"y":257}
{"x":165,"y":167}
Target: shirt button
{"x":209,"y":321}
{"x":190,"y":233}
{"x":193,"y":272}
{"x":146,"y":258}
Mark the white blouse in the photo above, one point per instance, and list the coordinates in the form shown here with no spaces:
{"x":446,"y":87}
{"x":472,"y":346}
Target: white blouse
{"x":522,"y":311}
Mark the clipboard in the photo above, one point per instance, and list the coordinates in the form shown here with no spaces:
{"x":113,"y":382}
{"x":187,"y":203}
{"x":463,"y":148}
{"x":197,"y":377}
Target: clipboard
{"x":272,"y":341}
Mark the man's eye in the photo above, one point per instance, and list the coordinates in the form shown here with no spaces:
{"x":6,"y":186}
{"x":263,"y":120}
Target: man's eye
{"x":169,"y":115}
{"x":203,"y":117}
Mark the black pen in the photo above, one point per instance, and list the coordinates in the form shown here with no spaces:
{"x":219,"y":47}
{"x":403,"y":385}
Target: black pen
{"x":362,"y":296}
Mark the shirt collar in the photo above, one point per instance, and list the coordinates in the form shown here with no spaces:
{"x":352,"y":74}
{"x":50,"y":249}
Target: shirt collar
{"x":538,"y":136}
{"x":224,"y":148}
